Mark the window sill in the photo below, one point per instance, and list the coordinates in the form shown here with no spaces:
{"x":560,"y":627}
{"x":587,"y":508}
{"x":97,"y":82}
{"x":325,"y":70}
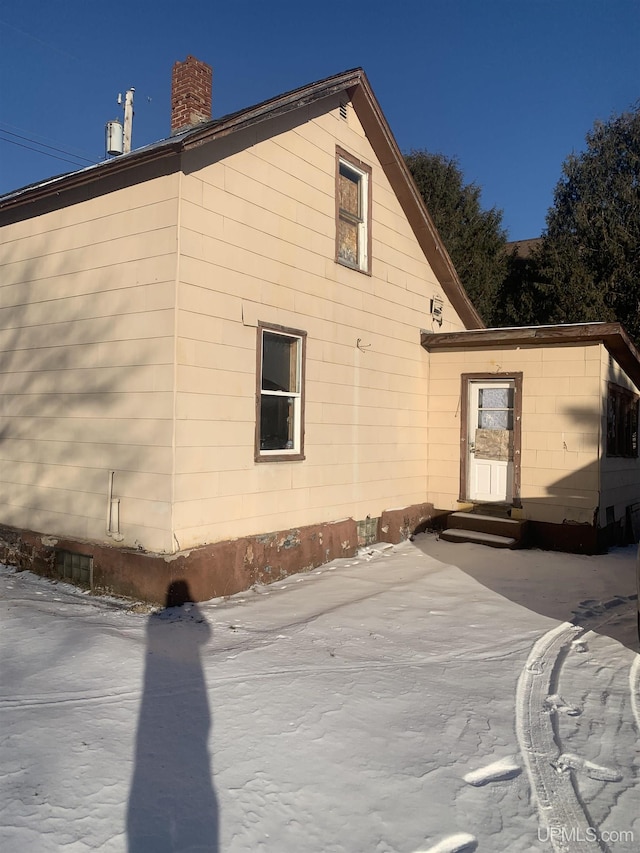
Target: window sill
{"x":278,"y":457}
{"x":353,"y":267}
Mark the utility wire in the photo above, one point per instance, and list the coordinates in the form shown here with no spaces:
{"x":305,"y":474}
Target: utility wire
{"x":32,"y":136}
{"x":38,"y":151}
{"x":48,"y":44}
{"x":44,"y":145}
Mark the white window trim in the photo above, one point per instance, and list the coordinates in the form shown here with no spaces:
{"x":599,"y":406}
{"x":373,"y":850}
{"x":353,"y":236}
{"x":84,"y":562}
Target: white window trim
{"x":298,"y":396}
{"x":363,"y":172}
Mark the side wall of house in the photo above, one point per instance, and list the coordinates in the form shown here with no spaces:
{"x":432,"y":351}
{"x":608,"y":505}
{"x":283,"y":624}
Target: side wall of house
{"x":620,"y":475}
{"x":561,"y":426}
{"x":87,"y":295}
{"x":257,"y":244}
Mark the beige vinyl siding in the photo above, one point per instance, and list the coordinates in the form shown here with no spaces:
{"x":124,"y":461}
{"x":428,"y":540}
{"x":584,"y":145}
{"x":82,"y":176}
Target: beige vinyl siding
{"x":258,"y":244}
{"x":102,"y":373}
{"x":561,"y":425}
{"x":620,"y":476}
{"x":86,"y":334}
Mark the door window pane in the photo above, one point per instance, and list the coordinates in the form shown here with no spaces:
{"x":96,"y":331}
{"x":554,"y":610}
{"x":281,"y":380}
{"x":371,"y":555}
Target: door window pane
{"x":495,"y":398}
{"x":495,"y":408}
{"x":495,"y":420}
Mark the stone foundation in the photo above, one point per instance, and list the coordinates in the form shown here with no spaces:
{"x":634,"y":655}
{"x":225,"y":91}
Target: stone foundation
{"x":571,"y":538}
{"x":398,"y":524}
{"x":210,"y":571}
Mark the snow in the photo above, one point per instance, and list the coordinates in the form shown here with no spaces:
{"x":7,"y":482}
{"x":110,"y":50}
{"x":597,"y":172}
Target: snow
{"x":431,"y":697}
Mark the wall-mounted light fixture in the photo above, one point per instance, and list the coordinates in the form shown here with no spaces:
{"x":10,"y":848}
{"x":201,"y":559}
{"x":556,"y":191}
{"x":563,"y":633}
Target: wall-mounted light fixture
{"x":437,"y":305}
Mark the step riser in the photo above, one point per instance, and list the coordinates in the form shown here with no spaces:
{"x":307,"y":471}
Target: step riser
{"x":511,"y":528}
{"x":459,"y":535}
{"x":491,"y":530}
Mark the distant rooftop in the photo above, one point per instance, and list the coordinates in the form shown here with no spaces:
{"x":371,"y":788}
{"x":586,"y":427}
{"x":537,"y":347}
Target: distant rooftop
{"x":523,"y":248}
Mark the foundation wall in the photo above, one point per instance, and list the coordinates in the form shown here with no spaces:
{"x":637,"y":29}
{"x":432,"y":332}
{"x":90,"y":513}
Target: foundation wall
{"x":212,"y":571}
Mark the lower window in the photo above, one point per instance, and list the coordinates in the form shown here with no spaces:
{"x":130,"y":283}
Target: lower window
{"x":73,"y":567}
{"x":280,"y":394}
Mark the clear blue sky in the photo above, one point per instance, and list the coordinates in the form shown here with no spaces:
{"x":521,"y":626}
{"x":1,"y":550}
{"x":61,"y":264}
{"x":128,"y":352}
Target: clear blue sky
{"x":509,"y":87}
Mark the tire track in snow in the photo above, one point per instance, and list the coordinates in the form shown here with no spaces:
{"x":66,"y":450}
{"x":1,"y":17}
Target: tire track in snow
{"x":84,"y":697}
{"x":561,"y":813}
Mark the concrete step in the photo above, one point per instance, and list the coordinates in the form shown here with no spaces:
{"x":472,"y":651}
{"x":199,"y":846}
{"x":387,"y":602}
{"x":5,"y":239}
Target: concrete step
{"x":494,"y":541}
{"x":511,"y":528}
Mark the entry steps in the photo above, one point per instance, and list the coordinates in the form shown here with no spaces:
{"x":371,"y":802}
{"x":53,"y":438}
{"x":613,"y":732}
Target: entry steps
{"x":490,"y":530}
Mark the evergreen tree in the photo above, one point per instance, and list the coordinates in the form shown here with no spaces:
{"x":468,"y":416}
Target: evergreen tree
{"x":474,"y":238}
{"x":589,"y":259}
{"x":522,"y":298}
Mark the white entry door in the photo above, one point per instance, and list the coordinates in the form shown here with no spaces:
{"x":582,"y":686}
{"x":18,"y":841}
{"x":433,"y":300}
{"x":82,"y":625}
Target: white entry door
{"x":490,"y":440}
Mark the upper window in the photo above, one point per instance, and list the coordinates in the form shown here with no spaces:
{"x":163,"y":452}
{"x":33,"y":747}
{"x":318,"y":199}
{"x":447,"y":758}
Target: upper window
{"x":353,"y":212}
{"x":622,"y":422}
{"x":280,"y":394}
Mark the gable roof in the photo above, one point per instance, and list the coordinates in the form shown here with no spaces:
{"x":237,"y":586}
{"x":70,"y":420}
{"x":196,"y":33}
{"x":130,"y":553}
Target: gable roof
{"x":356,"y":85}
{"x":612,"y":335}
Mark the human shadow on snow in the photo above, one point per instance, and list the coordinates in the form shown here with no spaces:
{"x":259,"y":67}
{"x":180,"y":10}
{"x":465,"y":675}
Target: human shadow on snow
{"x":172,"y":802}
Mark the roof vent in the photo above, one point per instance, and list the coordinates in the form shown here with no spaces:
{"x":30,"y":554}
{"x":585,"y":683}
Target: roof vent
{"x":343,"y":110}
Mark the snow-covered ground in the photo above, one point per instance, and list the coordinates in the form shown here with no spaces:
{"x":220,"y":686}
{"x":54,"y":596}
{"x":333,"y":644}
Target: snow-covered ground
{"x":422,"y":697}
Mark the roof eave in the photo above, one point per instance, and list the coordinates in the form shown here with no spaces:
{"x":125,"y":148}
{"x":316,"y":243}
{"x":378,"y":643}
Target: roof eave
{"x":611,"y":335}
{"x":399,"y":176}
{"x":356,"y":84}
{"x":71,"y":180}
{"x":187,"y":139}
{"x":273,"y":108}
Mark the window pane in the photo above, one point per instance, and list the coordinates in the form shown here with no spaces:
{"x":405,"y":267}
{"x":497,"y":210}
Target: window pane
{"x":277,"y":423}
{"x":348,"y":242}
{"x":279,"y":363}
{"x":488,"y":419}
{"x":349,"y":191}
{"x":496,"y":398}
{"x":74,"y":567}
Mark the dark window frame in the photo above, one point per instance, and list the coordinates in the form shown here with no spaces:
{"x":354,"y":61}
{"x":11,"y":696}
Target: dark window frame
{"x":622,"y":422}
{"x":297,"y":453}
{"x":465,"y":381}
{"x":366,"y":196}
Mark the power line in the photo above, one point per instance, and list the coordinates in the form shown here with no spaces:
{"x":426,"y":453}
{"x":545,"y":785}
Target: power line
{"x":48,"y":44}
{"x":44,"y":145}
{"x":32,"y":136}
{"x":38,"y":151}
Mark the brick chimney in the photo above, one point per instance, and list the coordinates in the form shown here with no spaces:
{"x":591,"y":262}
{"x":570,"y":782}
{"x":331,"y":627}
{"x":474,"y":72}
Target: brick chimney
{"x":191,"y":82}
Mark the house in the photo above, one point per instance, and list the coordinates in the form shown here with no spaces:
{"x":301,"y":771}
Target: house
{"x":240,"y":352}
{"x":523,"y":249}
{"x":542,"y":421}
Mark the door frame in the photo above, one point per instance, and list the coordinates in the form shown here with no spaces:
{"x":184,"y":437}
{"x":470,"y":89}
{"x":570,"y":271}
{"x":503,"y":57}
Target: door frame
{"x":465,"y":381}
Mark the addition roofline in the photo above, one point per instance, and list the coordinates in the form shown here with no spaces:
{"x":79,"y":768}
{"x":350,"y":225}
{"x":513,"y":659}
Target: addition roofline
{"x":611,"y":335}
